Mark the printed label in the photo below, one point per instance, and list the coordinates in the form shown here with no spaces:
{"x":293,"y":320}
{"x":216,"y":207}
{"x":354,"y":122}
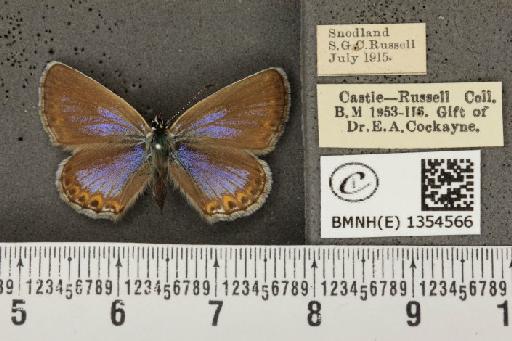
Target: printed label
{"x":406,"y":194}
{"x":371,"y":49}
{"x":429,"y":115}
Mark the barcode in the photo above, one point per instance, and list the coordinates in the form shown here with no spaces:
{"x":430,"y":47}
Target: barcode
{"x":447,"y":185}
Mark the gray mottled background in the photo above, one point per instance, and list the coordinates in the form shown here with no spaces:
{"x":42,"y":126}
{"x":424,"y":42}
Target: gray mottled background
{"x":467,"y":41}
{"x":156,"y":54}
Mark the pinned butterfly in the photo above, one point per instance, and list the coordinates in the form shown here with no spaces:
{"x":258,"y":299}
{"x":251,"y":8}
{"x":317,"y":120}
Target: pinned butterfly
{"x":209,"y":152}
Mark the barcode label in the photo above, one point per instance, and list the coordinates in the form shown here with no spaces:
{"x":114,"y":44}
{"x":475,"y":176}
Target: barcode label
{"x":405,"y":194}
{"x":447,"y":184}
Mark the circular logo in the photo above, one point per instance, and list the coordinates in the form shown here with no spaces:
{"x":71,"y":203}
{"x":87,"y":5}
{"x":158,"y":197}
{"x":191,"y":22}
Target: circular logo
{"x":353,"y":181}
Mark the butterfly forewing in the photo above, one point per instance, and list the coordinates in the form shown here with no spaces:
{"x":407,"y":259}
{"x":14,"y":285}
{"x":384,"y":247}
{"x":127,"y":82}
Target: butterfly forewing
{"x":77,"y":111}
{"x":214,"y":162}
{"x":249,"y":114}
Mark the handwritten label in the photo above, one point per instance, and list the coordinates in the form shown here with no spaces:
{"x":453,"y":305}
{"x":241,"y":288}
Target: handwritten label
{"x":429,"y":115}
{"x":371,"y":49}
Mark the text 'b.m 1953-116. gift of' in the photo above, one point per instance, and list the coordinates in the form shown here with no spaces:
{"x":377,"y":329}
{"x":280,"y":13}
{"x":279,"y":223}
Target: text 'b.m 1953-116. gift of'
{"x":410,"y":115}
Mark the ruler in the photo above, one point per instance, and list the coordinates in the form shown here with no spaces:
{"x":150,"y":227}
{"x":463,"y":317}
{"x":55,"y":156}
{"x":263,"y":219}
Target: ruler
{"x":164,"y":292}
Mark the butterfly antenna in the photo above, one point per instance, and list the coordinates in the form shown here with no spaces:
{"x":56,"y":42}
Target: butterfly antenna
{"x":189,"y":102}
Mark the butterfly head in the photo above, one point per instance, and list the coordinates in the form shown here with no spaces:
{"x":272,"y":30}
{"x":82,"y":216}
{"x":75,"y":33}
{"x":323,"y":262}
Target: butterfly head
{"x":158,"y":124}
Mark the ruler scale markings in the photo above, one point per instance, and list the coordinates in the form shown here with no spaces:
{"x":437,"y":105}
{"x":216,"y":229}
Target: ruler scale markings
{"x":472,"y":264}
{"x":226,"y":262}
{"x":215,"y":267}
{"x":482,"y":262}
{"x":108,"y":261}
{"x":147,"y":262}
{"x":304,"y":264}
{"x":294,"y":261}
{"x":255,"y":263}
{"x":60,"y":262}
{"x":442,"y":263}
{"x":463,"y":263}
{"x":333,"y":263}
{"x":29,"y":262}
{"x":206,"y":263}
{"x":10,"y":261}
{"x":79,"y":259}
{"x":502,"y":266}
{"x":323,"y":263}
{"x":49,"y":262}
{"x":265,"y":266}
{"x":20,"y":267}
{"x":363,"y":261}
{"x":343,"y":263}
{"x":39,"y":260}
{"x":167,"y":259}
{"x":118,"y":274}
{"x":353,"y":265}
{"x":236,"y":263}
{"x":403,"y":264}
{"x":422,"y":264}
{"x":393,"y":263}
{"x":373,"y":264}
{"x":413,"y":269}
{"x":245,"y":263}
{"x":284,"y":266}
{"x":186,"y":262}
{"x":452,"y":263}
{"x":492,"y":261}
{"x":195,"y":264}
{"x":137,"y":263}
{"x":128,"y":261}
{"x":99,"y":262}
{"x":177,"y":265}
{"x":382,"y":258}
{"x":510,"y":265}
{"x":314,"y":266}
{"x":274,"y":258}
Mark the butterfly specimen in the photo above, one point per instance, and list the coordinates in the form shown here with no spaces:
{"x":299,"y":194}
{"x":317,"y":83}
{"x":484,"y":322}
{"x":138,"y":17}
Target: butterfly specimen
{"x":209,"y":152}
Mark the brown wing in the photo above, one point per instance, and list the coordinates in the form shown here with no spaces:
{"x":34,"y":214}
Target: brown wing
{"x":78,"y":111}
{"x":249,"y":114}
{"x":104,"y":182}
{"x":220,"y":183}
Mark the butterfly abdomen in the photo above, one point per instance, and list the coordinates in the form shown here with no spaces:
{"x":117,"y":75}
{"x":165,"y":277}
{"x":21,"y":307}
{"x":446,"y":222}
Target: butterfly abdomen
{"x":160,"y":156}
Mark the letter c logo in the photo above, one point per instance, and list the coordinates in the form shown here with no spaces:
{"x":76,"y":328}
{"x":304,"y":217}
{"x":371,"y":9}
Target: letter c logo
{"x":353,"y":182}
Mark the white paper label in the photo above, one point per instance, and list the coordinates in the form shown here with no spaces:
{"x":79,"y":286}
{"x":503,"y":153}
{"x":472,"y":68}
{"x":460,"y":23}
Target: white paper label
{"x":372,"y":49}
{"x":406,"y":194}
{"x":419,"y":115}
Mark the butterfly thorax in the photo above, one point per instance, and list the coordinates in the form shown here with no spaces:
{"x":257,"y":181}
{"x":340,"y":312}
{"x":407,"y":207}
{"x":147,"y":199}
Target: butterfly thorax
{"x":159,"y":151}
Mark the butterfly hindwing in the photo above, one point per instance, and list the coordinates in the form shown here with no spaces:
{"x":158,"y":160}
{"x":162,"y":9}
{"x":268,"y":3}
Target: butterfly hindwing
{"x":221,"y":183}
{"x":214,"y":162}
{"x":77,"y":111}
{"x":104,"y":183}
{"x":249,"y":114}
